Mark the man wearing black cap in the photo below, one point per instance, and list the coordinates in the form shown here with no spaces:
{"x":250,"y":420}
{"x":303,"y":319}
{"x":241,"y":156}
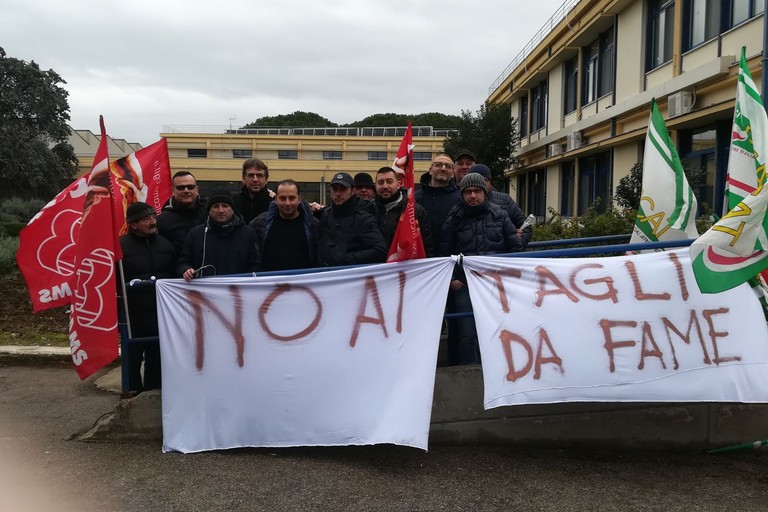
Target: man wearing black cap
{"x":464,"y":160}
{"x":514,"y":212}
{"x":146,"y":255}
{"x":474,"y":227}
{"x":223,"y":245}
{"x":348,"y":234}
{"x":364,"y":188}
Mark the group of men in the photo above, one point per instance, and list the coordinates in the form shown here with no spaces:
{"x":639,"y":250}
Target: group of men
{"x":261,"y":230}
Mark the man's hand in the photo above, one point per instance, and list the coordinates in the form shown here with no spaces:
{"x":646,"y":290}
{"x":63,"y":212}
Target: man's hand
{"x":189,"y":274}
{"x":456,"y":285}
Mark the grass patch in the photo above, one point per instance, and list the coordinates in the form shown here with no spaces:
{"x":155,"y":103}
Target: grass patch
{"x":43,"y":339}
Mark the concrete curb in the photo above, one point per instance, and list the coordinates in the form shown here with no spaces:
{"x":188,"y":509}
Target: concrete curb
{"x":31,"y":354}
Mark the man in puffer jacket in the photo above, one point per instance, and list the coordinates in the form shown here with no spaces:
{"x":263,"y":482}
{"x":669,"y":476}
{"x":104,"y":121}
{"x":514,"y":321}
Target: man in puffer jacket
{"x":223,"y":245}
{"x":348,"y":234}
{"x":474,"y":227}
{"x":287,"y":232}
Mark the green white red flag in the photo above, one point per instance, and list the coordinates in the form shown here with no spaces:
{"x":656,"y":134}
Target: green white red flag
{"x":733,"y":251}
{"x":407,"y":243}
{"x":668,"y":207}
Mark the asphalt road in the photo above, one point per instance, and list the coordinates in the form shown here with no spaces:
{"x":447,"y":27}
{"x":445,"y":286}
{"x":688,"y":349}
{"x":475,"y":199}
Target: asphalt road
{"x":41,"y":469}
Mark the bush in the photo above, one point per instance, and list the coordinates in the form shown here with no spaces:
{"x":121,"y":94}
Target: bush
{"x":19,"y":210}
{"x":592,"y":224}
{"x":11,"y":229}
{"x":8,"y":248}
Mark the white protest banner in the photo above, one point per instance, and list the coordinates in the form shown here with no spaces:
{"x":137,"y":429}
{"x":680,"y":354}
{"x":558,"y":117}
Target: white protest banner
{"x":620,"y":329}
{"x":345,"y":357}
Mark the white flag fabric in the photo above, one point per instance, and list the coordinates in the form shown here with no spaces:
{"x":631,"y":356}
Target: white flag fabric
{"x":667,"y":209}
{"x":620,"y":329}
{"x":344,"y":357}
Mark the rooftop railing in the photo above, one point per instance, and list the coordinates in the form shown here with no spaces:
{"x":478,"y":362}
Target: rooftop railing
{"x":337,"y":131}
{"x":548,"y":27}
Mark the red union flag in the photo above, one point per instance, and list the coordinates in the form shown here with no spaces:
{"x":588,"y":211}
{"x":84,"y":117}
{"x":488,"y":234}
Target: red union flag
{"x":93,"y":317}
{"x":46,"y":254}
{"x":407,"y":243}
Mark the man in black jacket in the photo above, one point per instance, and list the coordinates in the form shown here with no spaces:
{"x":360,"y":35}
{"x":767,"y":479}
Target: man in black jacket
{"x":514,"y":212}
{"x":287,"y":232}
{"x":223,"y":245}
{"x":438,"y":193}
{"x":183,"y":211}
{"x":254,"y":196}
{"x":390,"y":202}
{"x":474,"y":227}
{"x":348,"y":234}
{"x":146,"y":255}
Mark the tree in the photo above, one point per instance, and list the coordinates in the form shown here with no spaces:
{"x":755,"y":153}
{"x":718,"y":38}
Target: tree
{"x":630,"y":186}
{"x":297,"y":119}
{"x":490,"y":134}
{"x":35,"y":155}
{"x":434,"y":119}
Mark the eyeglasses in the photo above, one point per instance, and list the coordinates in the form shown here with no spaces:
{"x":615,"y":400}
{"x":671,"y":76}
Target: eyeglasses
{"x":185,"y":187}
{"x":442,"y":164}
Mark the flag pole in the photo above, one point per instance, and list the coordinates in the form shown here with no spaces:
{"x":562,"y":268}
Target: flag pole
{"x":764,"y":75}
{"x":125,"y":297}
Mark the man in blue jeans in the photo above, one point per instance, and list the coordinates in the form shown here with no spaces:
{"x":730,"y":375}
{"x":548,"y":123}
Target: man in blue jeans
{"x":473,"y":227}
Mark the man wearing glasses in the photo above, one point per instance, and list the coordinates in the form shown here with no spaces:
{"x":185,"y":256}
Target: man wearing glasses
{"x":183,"y":211}
{"x":438,"y":193}
{"x":254,"y":196}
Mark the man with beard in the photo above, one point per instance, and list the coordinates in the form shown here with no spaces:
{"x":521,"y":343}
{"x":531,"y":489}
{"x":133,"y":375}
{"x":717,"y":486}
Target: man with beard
{"x":183,"y":211}
{"x":254,"y":197}
{"x":146,"y":255}
{"x":348,"y":234}
{"x":390,"y":202}
{"x":223,"y":245}
{"x":473,"y":227}
{"x":438,"y":193}
{"x":287,"y":232}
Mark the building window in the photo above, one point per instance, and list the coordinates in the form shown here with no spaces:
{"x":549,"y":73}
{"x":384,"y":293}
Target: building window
{"x":522,"y":189}
{"x":197,"y":153}
{"x":571,"y":85}
{"x":567,"y":179}
{"x":537,"y":193}
{"x":704,"y":154}
{"x":242,"y":153}
{"x":703,"y":21}
{"x":539,"y":106}
{"x":377,"y":155}
{"x":598,"y":67}
{"x":331,"y":155}
{"x":594,"y":182}
{"x":524,"y":115}
{"x":660,"y":32}
{"x":287,"y":154}
{"x":422,"y":156}
{"x":742,"y":10}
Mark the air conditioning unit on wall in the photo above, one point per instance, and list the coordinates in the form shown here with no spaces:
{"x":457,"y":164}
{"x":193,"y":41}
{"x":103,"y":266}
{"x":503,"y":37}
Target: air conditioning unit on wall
{"x":573,"y":141}
{"x":554,"y":150}
{"x":679,"y":103}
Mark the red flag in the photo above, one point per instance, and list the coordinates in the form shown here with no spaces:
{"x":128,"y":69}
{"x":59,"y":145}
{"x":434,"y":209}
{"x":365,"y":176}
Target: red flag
{"x":93,"y":317}
{"x":46,"y":254}
{"x":407,"y":243}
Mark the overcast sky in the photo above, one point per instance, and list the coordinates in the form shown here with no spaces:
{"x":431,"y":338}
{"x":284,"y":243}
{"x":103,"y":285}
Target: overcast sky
{"x":146,"y":64}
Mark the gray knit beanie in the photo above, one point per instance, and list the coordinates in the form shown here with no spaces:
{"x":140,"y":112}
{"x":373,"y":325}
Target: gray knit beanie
{"x":472,"y":179}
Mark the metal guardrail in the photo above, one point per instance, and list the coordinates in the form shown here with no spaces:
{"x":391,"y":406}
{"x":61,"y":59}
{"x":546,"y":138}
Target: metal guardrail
{"x":549,"y":25}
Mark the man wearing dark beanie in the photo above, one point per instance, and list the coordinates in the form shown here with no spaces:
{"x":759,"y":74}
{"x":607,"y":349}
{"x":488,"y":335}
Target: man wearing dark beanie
{"x":146,"y":255}
{"x":473,"y":227}
{"x":223,"y":245}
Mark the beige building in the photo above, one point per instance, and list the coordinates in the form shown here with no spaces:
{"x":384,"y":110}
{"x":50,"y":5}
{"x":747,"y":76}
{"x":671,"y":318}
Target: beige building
{"x":581,"y":91}
{"x":85,"y":144}
{"x":310,"y":156}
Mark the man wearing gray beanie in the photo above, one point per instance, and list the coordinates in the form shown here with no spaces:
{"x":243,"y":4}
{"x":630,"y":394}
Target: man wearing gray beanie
{"x":473,"y":227}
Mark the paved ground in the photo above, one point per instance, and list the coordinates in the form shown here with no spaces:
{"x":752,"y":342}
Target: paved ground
{"x":40,"y":407}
